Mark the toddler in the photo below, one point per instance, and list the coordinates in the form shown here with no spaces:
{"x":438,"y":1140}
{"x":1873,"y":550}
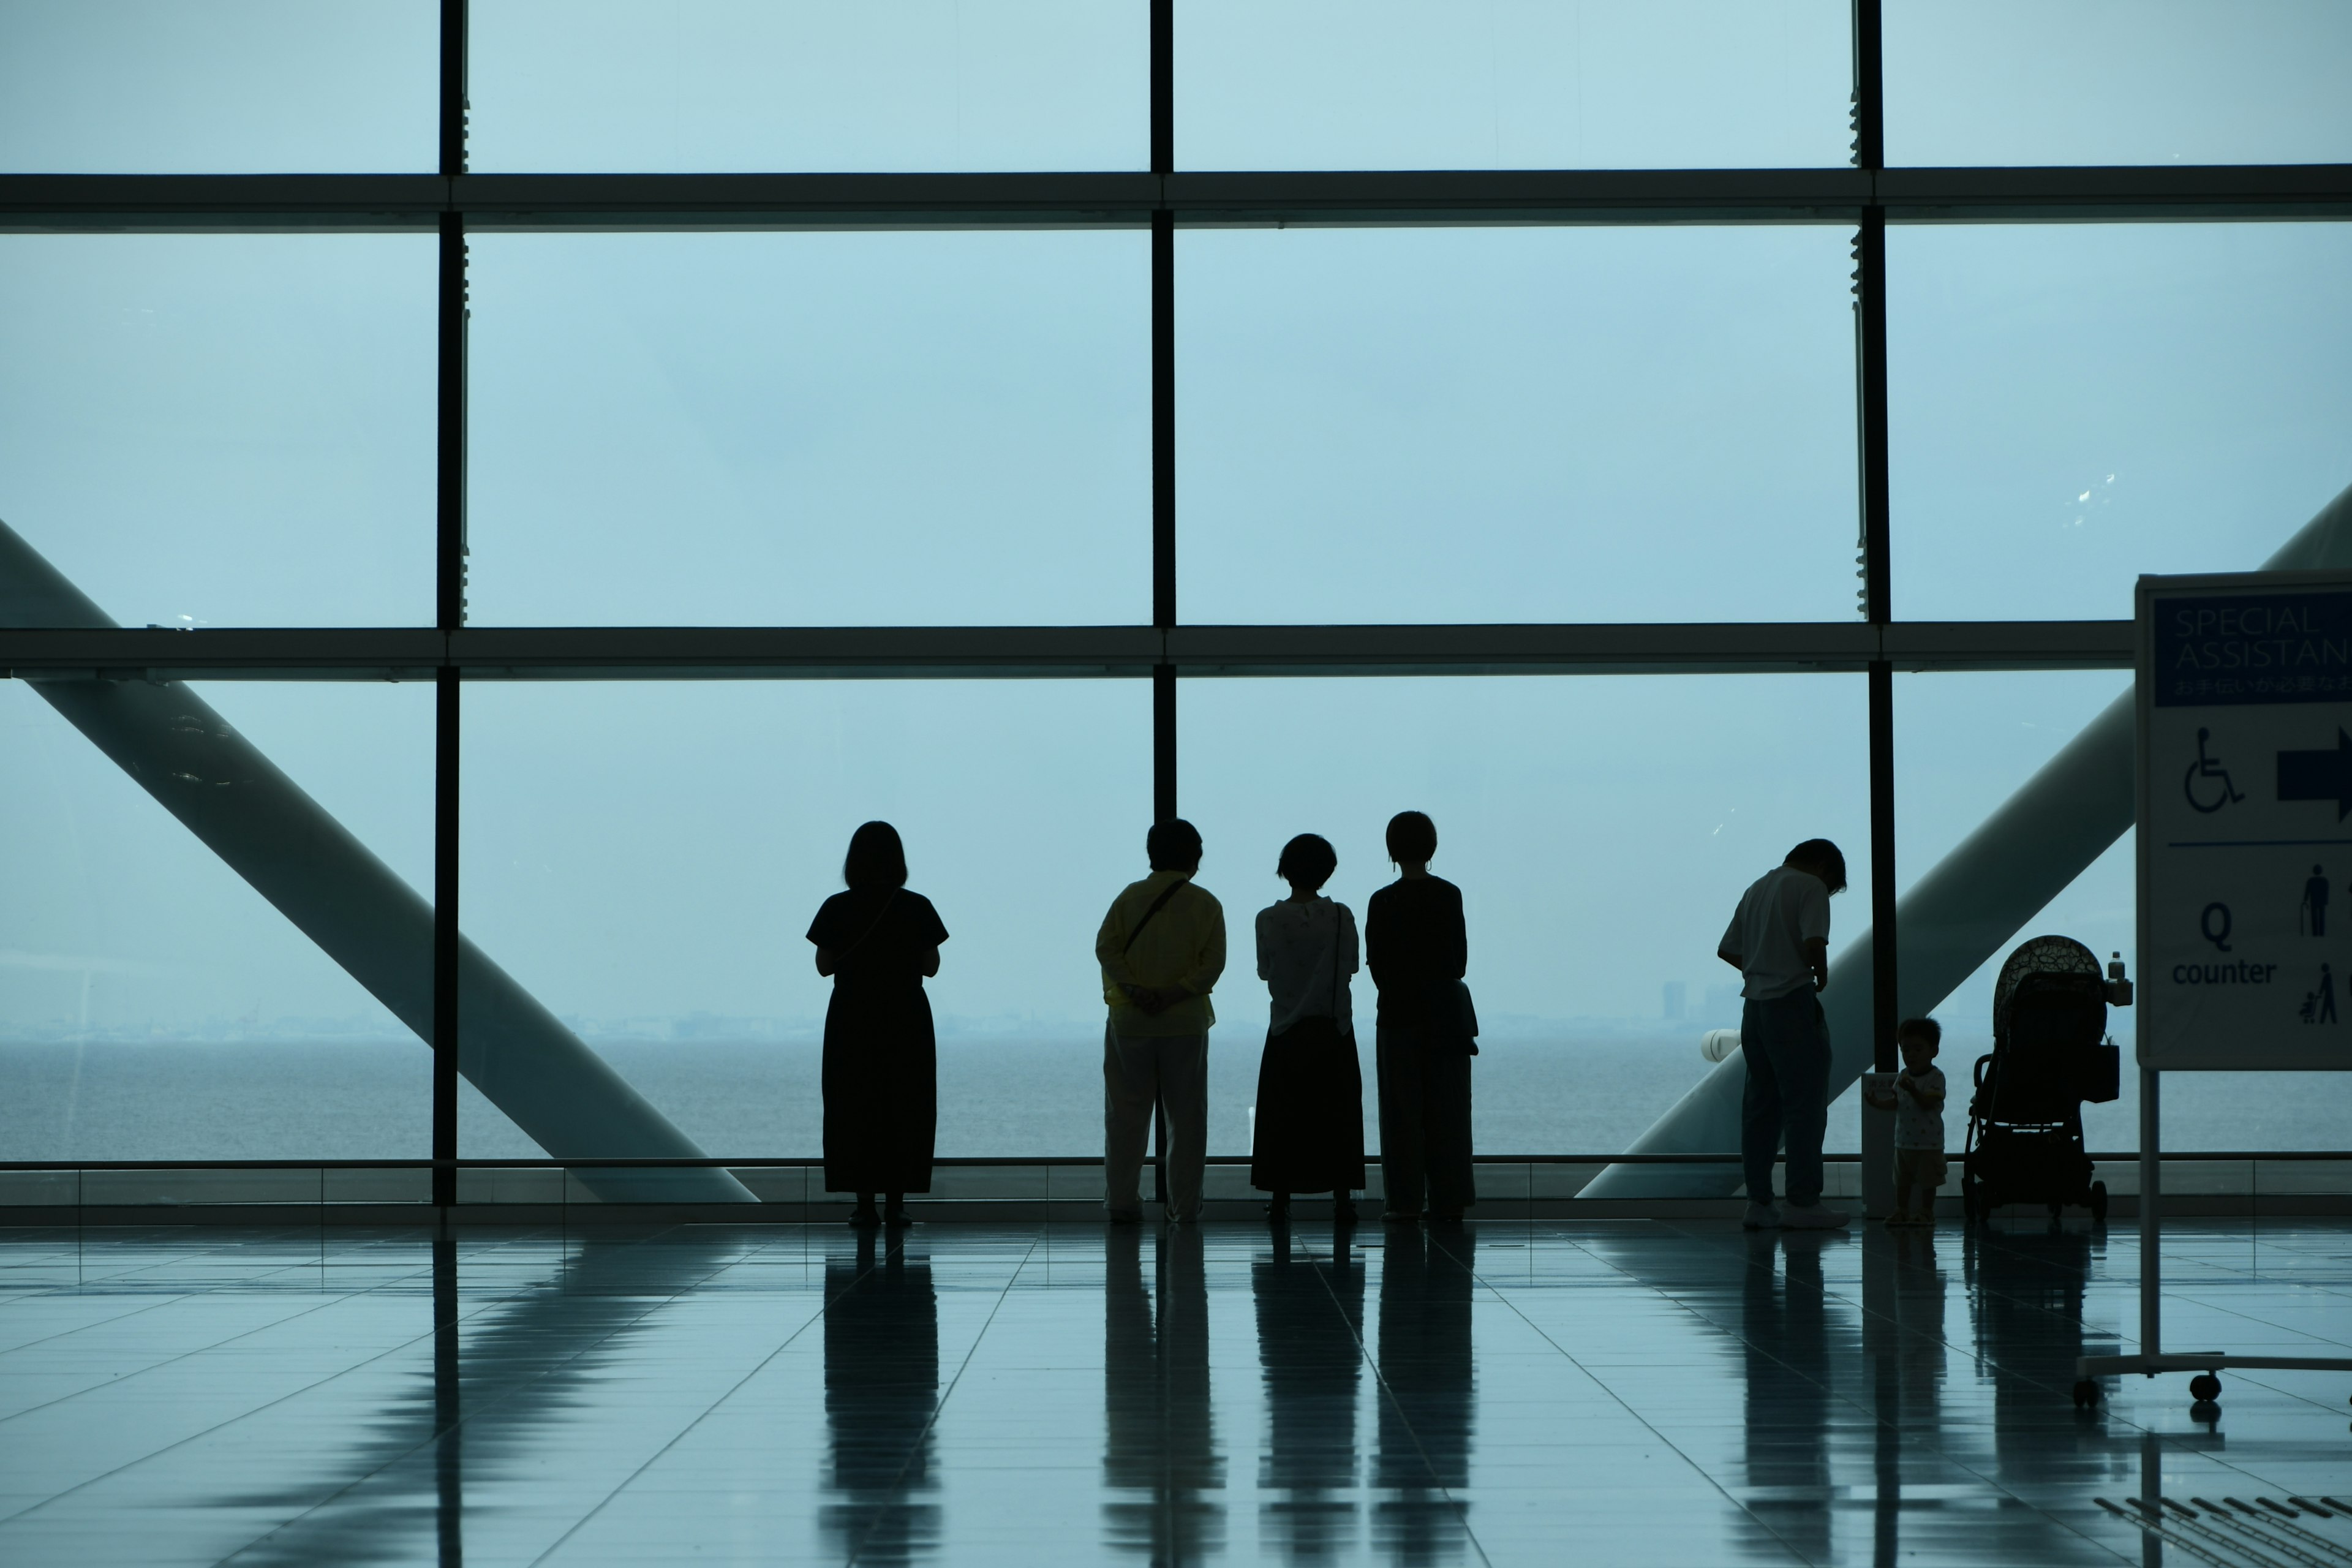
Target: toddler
{"x":1917,"y":1101}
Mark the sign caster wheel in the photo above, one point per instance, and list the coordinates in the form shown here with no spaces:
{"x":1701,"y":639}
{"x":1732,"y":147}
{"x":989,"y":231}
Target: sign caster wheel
{"x":2088,"y":1395}
{"x":2204,"y":1388}
{"x":2099,"y":1201}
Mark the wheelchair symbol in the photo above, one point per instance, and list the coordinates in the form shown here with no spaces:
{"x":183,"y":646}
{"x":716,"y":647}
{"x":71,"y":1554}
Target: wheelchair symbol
{"x":2206,"y":767}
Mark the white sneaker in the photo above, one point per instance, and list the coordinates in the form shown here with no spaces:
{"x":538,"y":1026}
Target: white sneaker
{"x":1761,"y":1217}
{"x":1812,"y":1217}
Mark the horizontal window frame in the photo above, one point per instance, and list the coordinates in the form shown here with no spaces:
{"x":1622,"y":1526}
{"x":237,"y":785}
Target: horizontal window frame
{"x":655,"y":203}
{"x":698,"y":653}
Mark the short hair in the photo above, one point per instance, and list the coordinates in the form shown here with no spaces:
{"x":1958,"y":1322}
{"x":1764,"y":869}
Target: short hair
{"x":1925,"y":1030}
{"x":1307,"y":860}
{"x":1173,"y":845}
{"x":1821,"y":852}
{"x":877,"y":858}
{"x":1412,"y":838}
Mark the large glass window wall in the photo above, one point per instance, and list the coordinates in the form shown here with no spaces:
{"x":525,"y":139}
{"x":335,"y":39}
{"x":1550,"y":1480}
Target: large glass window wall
{"x":223,"y":429}
{"x":154,"y":1002}
{"x":1474,"y":409}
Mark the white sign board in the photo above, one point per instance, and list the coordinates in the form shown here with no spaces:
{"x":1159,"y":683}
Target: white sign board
{"x":2245,"y":821}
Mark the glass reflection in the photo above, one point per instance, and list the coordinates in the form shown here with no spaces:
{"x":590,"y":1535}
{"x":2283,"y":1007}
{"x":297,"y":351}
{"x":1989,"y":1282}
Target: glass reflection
{"x":448,"y":1408}
{"x":1903,"y":1340}
{"x":1312,"y":1361}
{"x":1426,"y":1420}
{"x":2025,"y":1289}
{"x":881,"y":1391}
{"x":504,"y":1380}
{"x":1785,"y":1410}
{"x":1159,"y":1457}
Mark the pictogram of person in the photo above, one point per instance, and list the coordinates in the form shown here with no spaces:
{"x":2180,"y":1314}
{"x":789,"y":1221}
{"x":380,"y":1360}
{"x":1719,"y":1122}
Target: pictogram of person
{"x":2314,"y":912}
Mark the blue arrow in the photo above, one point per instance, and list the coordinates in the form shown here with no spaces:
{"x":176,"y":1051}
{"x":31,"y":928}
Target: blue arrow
{"x":2325,"y":774}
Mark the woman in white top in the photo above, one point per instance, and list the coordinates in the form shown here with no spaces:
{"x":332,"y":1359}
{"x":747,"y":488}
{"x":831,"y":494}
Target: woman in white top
{"x":1309,"y":1132}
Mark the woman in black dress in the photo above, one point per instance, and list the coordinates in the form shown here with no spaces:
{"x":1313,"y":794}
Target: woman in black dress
{"x":1417,"y":948}
{"x":1309,"y":1132}
{"x":881,"y":1059}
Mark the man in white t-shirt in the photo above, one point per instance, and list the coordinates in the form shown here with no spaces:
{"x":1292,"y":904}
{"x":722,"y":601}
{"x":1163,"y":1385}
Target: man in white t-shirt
{"x":1780,"y":942}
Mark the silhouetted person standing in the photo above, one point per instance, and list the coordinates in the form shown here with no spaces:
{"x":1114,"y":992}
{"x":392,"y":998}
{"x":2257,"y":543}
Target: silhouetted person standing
{"x":1418,"y":950}
{"x":1779,"y":939}
{"x":881,"y":1057}
{"x":1310,"y":1132}
{"x":1162,"y":947}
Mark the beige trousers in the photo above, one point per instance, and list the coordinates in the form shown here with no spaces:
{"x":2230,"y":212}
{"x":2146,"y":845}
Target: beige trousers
{"x":1139,"y":1070}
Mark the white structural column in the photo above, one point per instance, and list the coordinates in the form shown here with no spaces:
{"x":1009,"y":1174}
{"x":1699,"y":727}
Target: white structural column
{"x":1978,"y":898}
{"x":340,"y":896}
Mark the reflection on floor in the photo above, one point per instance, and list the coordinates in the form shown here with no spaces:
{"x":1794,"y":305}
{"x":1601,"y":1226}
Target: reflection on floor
{"x":1603,"y":1393}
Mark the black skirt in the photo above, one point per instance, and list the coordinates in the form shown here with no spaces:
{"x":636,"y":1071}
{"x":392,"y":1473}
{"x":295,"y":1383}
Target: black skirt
{"x":881,"y":1089}
{"x":1310,"y":1136}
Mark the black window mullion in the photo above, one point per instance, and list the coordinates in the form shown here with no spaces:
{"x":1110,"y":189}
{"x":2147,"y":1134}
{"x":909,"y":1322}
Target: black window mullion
{"x":1163,"y":408}
{"x":449,"y":600}
{"x":1870,"y":348}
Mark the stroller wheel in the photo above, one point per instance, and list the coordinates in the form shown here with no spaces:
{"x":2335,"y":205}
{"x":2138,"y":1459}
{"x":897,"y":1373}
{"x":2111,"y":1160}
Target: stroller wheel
{"x":2204,"y":1388}
{"x":2099,"y":1201}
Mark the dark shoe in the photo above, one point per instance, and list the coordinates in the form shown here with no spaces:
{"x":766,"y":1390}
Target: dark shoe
{"x":1401,"y":1216}
{"x":1445,"y":1216}
{"x":865,"y":1214}
{"x":1343,"y":1210}
{"x":1125,"y":1216}
{"x":896,"y":1215}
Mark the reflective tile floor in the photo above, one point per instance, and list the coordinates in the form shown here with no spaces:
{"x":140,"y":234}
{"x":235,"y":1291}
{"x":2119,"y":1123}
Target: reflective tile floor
{"x":1591,"y":1392}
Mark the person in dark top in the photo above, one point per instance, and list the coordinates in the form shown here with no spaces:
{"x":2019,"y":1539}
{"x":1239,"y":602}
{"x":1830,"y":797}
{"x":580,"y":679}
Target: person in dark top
{"x":1417,"y":948}
{"x":881,"y":1059}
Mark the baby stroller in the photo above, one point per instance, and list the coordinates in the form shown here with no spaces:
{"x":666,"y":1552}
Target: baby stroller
{"x":2049,"y":1055}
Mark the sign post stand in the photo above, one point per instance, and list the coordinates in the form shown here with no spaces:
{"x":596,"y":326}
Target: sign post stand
{"x":2244,"y":786}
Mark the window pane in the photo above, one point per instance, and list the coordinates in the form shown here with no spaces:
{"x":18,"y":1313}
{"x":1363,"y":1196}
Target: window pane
{"x":1964,"y":743}
{"x":1516,"y":424}
{"x":163,"y":86}
{"x":223,"y":429}
{"x":2091,"y":81}
{"x":2072,"y":406}
{"x":653,"y":889}
{"x":152,"y":1004}
{"x":1602,"y":830}
{"x":619,"y":85}
{"x":1516,"y":84}
{"x":811,"y":429}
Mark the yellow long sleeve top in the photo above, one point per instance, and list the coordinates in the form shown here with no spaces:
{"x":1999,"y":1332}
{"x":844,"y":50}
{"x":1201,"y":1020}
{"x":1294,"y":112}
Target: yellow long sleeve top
{"x":1184,"y":945}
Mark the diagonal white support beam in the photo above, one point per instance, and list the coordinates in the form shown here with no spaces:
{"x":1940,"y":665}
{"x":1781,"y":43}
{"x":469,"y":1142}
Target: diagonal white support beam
{"x":340,"y":896}
{"x":1976,"y":899}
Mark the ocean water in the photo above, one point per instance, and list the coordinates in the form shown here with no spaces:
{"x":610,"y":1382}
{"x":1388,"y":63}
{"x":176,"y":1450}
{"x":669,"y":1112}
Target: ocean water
{"x":997,"y":1096}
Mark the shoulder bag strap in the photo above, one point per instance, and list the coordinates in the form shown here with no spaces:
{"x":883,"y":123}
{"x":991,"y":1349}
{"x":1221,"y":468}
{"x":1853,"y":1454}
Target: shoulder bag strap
{"x":1157,"y":905}
{"x":870,"y":931}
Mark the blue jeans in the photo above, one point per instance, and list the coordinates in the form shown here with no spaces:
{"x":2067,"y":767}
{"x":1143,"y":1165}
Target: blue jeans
{"x":1786,"y":1044}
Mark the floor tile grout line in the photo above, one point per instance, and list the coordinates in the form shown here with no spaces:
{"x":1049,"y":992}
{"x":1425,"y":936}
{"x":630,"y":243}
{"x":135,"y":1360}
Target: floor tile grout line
{"x":339,"y":1299}
{"x":1620,"y":1400}
{"x":507,"y":1395}
{"x":897,"y":1482}
{"x":229,"y":1421}
{"x":1832,"y":1394}
{"x":1355,"y":1331}
{"x":2030,"y":1304}
{"x":580,"y":1523}
{"x":2176,"y":1440}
